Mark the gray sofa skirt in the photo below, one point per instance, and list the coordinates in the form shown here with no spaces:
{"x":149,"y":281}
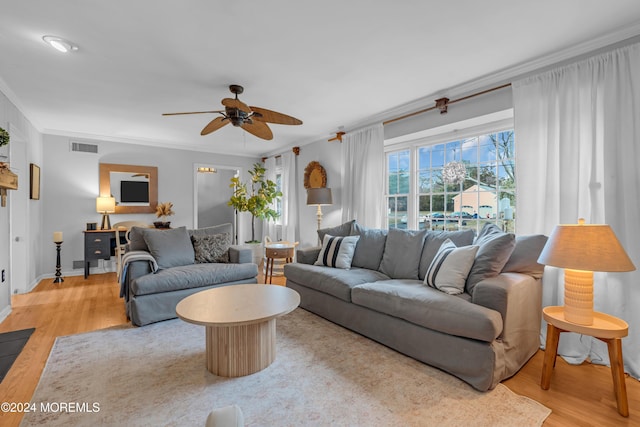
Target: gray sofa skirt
{"x":151,"y":308}
{"x":479,"y":363}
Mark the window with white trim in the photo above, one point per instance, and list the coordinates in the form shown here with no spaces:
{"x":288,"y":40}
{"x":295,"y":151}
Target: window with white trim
{"x":453,"y":184}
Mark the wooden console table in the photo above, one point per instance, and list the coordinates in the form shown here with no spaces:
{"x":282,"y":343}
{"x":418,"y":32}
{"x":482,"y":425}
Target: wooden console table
{"x":606,"y":328}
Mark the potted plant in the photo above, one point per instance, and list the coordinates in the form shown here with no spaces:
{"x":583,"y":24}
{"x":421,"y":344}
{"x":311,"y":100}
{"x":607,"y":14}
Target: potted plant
{"x":4,"y":137}
{"x":256,"y":197}
{"x":163,"y":210}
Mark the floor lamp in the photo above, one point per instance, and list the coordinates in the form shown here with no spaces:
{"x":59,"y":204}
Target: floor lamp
{"x":319,"y":197}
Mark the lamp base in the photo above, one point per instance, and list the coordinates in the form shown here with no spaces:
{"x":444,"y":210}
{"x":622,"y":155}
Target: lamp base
{"x":578,"y":296}
{"x":106,"y":224}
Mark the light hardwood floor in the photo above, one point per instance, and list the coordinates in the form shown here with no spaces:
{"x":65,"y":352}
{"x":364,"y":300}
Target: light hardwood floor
{"x":579,"y":395}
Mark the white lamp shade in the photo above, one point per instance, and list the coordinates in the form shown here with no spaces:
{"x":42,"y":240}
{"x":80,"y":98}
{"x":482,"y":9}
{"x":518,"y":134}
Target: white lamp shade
{"x":588,"y":247}
{"x":105,"y":204}
{"x":319,"y":196}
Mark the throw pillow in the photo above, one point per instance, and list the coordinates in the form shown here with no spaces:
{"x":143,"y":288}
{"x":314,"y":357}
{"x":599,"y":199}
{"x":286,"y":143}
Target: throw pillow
{"x":449,"y":269}
{"x":370,"y":247}
{"x":136,"y":239}
{"x":213,"y":248}
{"x":337,"y":251}
{"x":524,"y":258}
{"x":435,"y":239}
{"x":495,"y":247}
{"x":402,"y":252}
{"x":215,"y":229}
{"x":345,"y":229}
{"x":170,"y":248}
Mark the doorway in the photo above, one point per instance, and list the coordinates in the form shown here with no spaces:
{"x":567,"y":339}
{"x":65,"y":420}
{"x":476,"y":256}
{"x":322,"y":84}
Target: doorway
{"x":212,"y":192}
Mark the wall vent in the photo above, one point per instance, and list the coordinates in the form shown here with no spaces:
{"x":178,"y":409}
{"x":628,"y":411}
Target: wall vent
{"x":83,"y":147}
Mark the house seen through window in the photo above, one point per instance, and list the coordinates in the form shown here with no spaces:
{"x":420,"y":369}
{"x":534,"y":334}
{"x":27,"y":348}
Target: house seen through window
{"x":453,"y":185}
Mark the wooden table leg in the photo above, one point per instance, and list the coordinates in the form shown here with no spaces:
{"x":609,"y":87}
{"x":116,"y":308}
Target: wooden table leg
{"x":550,"y":351}
{"x":617,"y":371}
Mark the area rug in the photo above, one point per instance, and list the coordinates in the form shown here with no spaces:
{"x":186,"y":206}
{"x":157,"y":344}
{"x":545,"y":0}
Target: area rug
{"x":11,"y":344}
{"x":323,"y":375}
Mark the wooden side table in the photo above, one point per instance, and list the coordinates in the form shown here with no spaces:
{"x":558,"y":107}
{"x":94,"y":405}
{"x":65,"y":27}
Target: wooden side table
{"x":606,"y":328}
{"x":277,"y":251}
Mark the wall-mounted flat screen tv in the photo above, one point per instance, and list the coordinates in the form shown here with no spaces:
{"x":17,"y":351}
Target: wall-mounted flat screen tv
{"x":134,"y":191}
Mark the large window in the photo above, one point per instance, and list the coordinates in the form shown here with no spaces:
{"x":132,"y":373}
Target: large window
{"x":453,"y":185}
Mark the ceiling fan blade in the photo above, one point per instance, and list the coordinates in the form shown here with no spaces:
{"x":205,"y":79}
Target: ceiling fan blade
{"x":214,"y":125}
{"x":269,"y":116}
{"x":236,"y":103}
{"x":192,"y":112}
{"x":259,"y":129}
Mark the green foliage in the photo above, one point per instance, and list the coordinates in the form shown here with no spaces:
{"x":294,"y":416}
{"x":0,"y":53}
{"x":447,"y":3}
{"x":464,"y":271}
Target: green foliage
{"x":256,"y":197}
{"x":4,"y":137}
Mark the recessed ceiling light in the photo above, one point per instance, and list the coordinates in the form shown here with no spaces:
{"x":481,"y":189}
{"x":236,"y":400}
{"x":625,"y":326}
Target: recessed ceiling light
{"x":60,"y":44}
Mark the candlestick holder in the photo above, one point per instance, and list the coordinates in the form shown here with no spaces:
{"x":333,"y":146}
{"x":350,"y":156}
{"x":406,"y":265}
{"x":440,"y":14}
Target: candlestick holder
{"x":58,"y":278}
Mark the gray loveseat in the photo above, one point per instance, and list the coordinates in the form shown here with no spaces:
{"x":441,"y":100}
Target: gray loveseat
{"x":164,"y":266}
{"x":482,"y":335}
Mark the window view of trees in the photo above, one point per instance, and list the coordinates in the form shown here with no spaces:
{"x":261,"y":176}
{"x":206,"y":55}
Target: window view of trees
{"x":484,"y":193}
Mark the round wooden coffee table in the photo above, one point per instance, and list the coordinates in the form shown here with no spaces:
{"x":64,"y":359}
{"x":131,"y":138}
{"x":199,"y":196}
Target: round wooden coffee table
{"x":240,"y":323}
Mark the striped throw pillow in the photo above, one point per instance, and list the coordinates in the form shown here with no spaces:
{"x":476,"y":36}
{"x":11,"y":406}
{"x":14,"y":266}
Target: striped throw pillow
{"x":337,"y":251}
{"x":450,"y":267}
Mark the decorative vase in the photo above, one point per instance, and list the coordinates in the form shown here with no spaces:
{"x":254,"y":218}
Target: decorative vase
{"x":162,"y":224}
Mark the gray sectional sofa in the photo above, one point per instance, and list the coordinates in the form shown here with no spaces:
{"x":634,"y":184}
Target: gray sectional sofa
{"x":162,"y":267}
{"x":482,"y":335}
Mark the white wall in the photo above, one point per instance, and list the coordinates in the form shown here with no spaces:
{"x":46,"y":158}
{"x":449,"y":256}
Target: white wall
{"x":71,"y":182}
{"x":329,"y":155}
{"x":29,"y":144}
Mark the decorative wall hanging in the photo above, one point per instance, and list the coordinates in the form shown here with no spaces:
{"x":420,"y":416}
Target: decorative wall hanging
{"x":315,"y":176}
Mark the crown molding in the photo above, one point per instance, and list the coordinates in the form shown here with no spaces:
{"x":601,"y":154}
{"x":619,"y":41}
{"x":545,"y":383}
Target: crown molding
{"x":13,"y":98}
{"x":505,"y":75}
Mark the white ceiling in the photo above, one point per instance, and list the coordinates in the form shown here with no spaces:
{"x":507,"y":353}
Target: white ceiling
{"x":330,"y":63}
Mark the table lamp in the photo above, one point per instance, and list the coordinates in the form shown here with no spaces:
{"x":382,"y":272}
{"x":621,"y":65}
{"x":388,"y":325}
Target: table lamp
{"x":105,"y":206}
{"x":582,"y":249}
{"x":319,"y":197}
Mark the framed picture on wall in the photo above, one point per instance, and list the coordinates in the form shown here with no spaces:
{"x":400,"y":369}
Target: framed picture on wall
{"x":34,"y":189}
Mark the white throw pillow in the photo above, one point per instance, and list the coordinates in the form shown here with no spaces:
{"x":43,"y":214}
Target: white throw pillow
{"x":450,"y":267}
{"x":337,"y":251}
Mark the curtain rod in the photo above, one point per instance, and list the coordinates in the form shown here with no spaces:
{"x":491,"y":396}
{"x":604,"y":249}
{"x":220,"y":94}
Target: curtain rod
{"x":441,"y":104}
{"x":296,"y":151}
{"x":444,"y":104}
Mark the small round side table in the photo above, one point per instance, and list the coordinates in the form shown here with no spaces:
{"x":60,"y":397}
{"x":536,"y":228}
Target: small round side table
{"x":277,"y":251}
{"x":606,"y":328}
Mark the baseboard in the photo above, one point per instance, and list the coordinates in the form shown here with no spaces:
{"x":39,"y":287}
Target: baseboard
{"x":5,"y":313}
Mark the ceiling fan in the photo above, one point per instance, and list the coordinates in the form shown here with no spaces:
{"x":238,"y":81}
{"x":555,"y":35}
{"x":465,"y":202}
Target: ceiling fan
{"x":252,"y":119}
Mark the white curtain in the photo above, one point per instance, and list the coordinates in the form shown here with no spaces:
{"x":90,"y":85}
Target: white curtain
{"x":269,"y":228}
{"x":285,"y":227}
{"x":578,"y":155}
{"x":289,"y":197}
{"x":362,"y":178}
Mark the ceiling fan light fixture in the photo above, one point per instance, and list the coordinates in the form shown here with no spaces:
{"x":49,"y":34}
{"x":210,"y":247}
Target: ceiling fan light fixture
{"x":60,"y":44}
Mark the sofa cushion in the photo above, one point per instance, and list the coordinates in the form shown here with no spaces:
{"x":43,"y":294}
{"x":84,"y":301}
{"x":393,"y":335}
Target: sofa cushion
{"x":212,"y":248}
{"x":331,"y":281}
{"x":524,"y":258}
{"x":337,"y":251}
{"x":402,"y":251}
{"x":345,"y":229}
{"x":495,"y":247}
{"x":170,"y":248}
{"x":192,"y":276}
{"x":424,"y":306}
{"x":449,"y":269}
{"x":370,"y":247}
{"x":435,"y":239}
